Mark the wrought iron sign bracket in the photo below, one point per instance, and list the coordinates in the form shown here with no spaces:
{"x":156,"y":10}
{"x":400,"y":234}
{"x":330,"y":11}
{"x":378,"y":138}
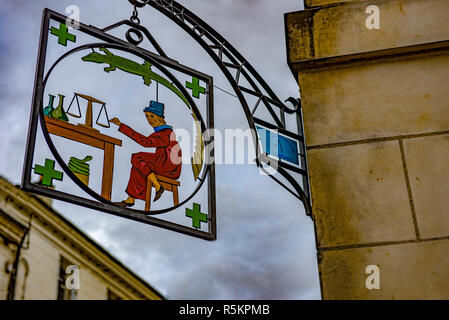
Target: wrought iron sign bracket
{"x":229,"y":60}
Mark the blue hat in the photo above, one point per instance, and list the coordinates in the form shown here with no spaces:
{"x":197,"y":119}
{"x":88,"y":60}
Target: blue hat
{"x":156,"y":107}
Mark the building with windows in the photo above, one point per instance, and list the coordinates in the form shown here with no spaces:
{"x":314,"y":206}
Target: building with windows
{"x":44,"y":256}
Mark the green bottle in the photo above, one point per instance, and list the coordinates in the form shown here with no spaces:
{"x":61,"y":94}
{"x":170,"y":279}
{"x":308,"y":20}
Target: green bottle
{"x":59,"y":112}
{"x":49,"y":109}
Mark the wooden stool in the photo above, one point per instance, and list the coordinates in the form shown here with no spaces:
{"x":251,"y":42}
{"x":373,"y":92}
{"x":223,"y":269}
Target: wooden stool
{"x":168,"y":185}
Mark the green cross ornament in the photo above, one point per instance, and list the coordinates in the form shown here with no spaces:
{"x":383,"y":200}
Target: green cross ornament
{"x":195,"y":87}
{"x":63,"y":34}
{"x":48,"y":173}
{"x":196,"y":215}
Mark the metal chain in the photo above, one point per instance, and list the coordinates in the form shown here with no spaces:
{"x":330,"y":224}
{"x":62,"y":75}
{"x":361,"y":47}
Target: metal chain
{"x":135,"y":17}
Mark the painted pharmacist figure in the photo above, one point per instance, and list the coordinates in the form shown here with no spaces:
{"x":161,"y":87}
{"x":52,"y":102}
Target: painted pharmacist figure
{"x":166,"y":161}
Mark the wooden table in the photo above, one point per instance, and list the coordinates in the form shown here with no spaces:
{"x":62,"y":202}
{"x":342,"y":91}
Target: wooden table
{"x":93,"y":138}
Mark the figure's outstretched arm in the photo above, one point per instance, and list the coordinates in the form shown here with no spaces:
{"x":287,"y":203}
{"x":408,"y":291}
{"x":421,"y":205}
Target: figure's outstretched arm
{"x":147,"y":142}
{"x":152,"y":141}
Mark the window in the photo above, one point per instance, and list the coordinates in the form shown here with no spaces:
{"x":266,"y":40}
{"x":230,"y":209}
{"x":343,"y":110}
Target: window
{"x":65,"y":293}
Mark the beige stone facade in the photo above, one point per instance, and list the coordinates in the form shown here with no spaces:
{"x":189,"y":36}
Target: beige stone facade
{"x":376,"y":117}
{"x":52,"y":244}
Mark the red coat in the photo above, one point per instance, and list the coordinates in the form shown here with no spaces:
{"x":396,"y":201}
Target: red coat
{"x":166,"y":161}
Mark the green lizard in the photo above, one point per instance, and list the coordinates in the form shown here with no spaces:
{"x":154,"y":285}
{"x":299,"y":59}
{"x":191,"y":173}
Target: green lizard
{"x":132,"y":67}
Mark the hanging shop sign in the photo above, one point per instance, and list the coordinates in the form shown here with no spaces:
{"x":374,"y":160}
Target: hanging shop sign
{"x":108,"y":112}
{"x":109,"y":120}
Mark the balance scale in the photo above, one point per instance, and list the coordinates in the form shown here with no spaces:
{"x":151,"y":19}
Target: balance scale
{"x":88,"y":124}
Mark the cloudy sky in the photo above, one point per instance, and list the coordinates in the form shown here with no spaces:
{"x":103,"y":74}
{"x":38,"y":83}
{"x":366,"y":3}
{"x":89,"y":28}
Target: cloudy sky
{"x":265,"y":247}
